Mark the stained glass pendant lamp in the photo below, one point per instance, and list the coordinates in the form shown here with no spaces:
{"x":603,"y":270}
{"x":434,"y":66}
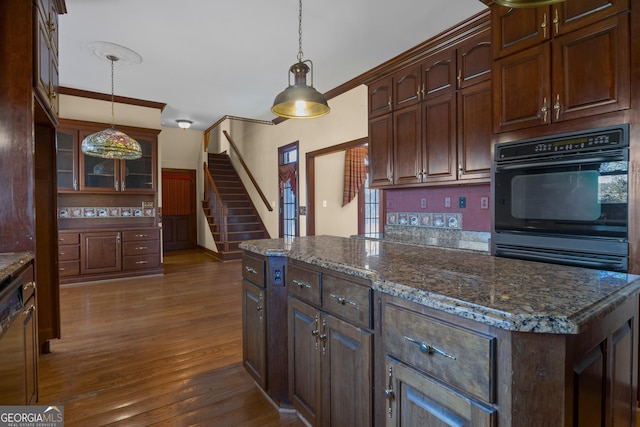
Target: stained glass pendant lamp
{"x":526,"y":3}
{"x":111,"y":143}
{"x":299,"y":101}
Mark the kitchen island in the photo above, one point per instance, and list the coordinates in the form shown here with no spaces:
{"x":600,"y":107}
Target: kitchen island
{"x":457,"y":335}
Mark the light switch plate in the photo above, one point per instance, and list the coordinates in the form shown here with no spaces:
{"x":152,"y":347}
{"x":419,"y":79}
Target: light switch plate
{"x":447,"y":202}
{"x":484,"y":203}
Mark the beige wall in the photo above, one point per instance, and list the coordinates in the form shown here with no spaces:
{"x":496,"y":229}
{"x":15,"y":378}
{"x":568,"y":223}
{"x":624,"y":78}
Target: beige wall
{"x":259,"y":144}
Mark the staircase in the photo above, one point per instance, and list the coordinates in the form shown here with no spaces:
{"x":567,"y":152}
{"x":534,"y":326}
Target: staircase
{"x":238,"y":214}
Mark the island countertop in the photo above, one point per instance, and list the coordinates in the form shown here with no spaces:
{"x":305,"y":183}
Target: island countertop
{"x":10,"y":262}
{"x":510,"y":294}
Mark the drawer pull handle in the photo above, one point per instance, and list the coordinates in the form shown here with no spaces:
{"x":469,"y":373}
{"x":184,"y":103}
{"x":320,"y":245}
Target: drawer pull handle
{"x":140,"y":235}
{"x":29,"y":310}
{"x":301,"y":284}
{"x":141,"y":248}
{"x":389,"y":394}
{"x":141,"y":262}
{"x":29,"y":285}
{"x":343,"y":300}
{"x":250,"y":269}
{"x":429,"y":349}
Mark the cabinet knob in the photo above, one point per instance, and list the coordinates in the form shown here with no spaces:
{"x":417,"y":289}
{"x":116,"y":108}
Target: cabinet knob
{"x":29,"y":285}
{"x":556,"y":20}
{"x":388,"y":393}
{"x":544,"y":26}
{"x":429,"y":349}
{"x":29,"y":310}
{"x":544,"y":110}
{"x":557,"y":106}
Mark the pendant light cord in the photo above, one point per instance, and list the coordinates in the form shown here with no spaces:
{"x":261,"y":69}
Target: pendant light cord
{"x":300,"y":32}
{"x":113,"y":115}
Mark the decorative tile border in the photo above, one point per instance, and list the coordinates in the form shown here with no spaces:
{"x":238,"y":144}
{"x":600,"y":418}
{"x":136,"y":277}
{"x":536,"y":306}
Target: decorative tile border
{"x":105,"y":212}
{"x":425,"y":219}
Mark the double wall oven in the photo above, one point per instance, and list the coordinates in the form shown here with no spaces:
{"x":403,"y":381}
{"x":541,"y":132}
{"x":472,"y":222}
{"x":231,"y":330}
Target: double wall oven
{"x":564,"y":198}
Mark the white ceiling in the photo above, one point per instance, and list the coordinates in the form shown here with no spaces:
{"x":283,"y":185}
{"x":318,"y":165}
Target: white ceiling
{"x":206,"y":59}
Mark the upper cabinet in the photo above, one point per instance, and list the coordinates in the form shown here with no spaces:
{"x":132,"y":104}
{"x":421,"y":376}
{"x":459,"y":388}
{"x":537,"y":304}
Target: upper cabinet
{"x":428,"y":117}
{"x":45,"y":56}
{"x":559,"y":63}
{"x":79,"y":172}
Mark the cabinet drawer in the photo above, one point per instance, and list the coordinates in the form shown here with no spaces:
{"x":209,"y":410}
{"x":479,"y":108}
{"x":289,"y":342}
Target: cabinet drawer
{"x":68,"y":252}
{"x":28,"y":283}
{"x":348,"y":300}
{"x":304,"y":284}
{"x":68,"y":268}
{"x":69,"y":238}
{"x":457,"y":356}
{"x":141,"y":262}
{"x":144,"y":234}
{"x":253,"y":270}
{"x":140,"y":247}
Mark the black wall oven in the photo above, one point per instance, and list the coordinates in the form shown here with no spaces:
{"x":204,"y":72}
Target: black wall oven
{"x":564,"y":198}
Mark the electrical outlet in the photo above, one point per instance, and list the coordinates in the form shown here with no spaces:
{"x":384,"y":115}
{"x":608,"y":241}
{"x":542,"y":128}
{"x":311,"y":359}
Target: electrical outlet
{"x":423,"y":203}
{"x":484,"y":203}
{"x":447,"y":202}
{"x":462,"y":202}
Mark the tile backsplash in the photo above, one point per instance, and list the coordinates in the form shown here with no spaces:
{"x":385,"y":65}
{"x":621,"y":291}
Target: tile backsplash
{"x":105,"y":212}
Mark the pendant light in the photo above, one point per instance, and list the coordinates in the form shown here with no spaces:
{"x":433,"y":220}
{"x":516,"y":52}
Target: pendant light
{"x":299,"y":101}
{"x":526,"y":3}
{"x":111,"y":143}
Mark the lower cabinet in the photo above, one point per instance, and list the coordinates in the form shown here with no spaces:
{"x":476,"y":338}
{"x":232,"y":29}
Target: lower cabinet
{"x":254,"y":332}
{"x":331,"y":355}
{"x":85,"y":255}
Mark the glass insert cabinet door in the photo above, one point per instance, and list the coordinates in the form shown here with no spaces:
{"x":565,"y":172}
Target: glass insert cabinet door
{"x":67,"y":159}
{"x":120,"y":175}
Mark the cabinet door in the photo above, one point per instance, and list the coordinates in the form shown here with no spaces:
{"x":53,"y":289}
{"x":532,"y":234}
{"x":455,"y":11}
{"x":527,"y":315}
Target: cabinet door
{"x":101,"y":252}
{"x":381,"y":151}
{"x":406,"y":86}
{"x":254,"y":330}
{"x":475,"y":133}
{"x":380,"y":97}
{"x":97,"y":174}
{"x":516,"y":29}
{"x":31,"y":351}
{"x":413,"y":399}
{"x":521,"y":85}
{"x":138,"y":175}
{"x":407,"y":146}
{"x":439,"y":134}
{"x":347,"y":373}
{"x":67,"y":159}
{"x":439,"y":73}
{"x":304,"y":359}
{"x":474,"y":60}
{"x":591,"y":70}
{"x":572,"y":15}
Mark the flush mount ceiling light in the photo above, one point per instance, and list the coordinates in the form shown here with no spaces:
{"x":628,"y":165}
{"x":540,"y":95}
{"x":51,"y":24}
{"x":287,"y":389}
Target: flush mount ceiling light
{"x":526,"y":3}
{"x":184,"y":124}
{"x":111,"y":143}
{"x":299,"y":101}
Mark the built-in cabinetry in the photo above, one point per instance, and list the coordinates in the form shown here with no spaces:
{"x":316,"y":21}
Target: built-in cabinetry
{"x":19,"y":337}
{"x":264,"y":325}
{"x":331,"y":346}
{"x":561,"y":62}
{"x":429,"y":122}
{"x":79,"y":172}
{"x":46,"y":54}
{"x":107,"y":253}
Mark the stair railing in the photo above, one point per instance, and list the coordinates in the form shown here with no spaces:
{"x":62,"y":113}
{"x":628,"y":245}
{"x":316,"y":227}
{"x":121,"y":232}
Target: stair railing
{"x":218,"y":210}
{"x":246,"y":169}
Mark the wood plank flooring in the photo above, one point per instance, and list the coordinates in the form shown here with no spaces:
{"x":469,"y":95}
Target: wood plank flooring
{"x":156,"y":351}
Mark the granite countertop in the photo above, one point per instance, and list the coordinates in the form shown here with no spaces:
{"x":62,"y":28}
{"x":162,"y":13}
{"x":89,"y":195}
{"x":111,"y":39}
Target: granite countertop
{"x":511,"y":294}
{"x":11,"y":262}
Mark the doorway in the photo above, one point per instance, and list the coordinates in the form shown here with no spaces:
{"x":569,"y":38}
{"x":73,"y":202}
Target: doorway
{"x":289,"y":201}
{"x":179,"y":220}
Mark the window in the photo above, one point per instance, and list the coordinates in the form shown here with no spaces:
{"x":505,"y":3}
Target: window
{"x":369,"y":223}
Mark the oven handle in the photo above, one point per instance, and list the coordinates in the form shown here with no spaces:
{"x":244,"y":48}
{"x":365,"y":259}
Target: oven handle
{"x":618,"y":155}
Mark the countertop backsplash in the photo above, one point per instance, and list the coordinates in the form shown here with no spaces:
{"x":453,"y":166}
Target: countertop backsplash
{"x":442,"y":237}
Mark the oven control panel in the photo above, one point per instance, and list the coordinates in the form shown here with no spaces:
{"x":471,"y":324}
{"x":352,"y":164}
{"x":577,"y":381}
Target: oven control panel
{"x":574,"y":142}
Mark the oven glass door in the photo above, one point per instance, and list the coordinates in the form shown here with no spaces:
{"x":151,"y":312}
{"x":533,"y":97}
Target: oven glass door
{"x":572,"y":196}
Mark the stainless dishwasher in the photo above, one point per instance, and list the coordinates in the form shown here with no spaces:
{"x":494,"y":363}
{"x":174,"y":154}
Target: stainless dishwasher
{"x":12,"y":344}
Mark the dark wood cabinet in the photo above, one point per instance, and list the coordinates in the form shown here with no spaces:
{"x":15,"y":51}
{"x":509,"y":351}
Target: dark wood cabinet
{"x":437,"y":119}
{"x":79,"y":172}
{"x":331,"y":351}
{"x":576,"y":74}
{"x":101,"y":252}
{"x":46,"y":55}
{"x":380,"y":97}
{"x":254,"y":332}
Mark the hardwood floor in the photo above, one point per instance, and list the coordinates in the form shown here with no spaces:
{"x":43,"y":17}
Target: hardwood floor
{"x":156,"y":351}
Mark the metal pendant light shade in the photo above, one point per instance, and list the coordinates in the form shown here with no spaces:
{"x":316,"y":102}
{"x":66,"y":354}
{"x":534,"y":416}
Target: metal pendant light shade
{"x":300,"y":101}
{"x":526,"y":3}
{"x":111,"y":143}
